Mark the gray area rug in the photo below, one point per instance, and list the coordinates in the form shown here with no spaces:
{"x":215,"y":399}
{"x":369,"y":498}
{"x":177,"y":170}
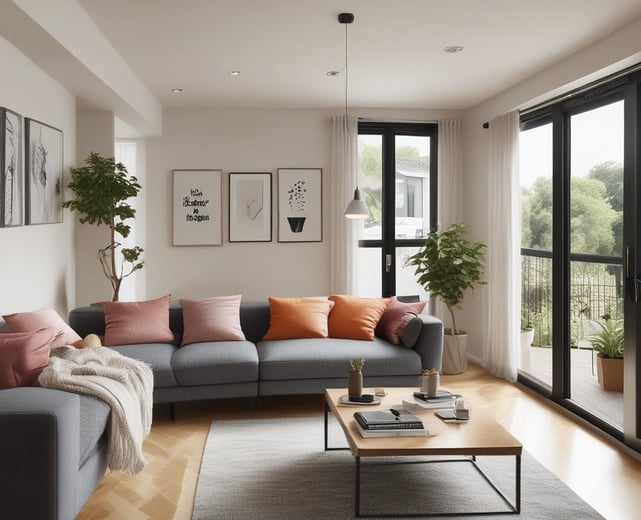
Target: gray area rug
{"x":278,"y":469}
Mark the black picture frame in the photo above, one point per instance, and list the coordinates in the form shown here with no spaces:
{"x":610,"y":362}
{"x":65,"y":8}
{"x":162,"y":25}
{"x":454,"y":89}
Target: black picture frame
{"x":12,"y":197}
{"x":44,"y":172}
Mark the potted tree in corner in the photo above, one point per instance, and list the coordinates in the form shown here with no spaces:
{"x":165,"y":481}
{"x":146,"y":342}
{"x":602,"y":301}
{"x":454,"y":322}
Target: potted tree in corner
{"x":446,"y":266}
{"x":101,"y":189}
{"x":608,"y":343}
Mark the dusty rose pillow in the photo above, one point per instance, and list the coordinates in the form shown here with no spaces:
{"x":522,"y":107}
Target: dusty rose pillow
{"x":212,"y":319}
{"x":395,"y":320}
{"x":137,"y":322}
{"x":45,"y":318}
{"x":23,"y":355}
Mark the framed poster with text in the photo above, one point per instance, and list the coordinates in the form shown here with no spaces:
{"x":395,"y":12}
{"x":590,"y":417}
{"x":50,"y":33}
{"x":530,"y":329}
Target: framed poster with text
{"x":197,"y":208}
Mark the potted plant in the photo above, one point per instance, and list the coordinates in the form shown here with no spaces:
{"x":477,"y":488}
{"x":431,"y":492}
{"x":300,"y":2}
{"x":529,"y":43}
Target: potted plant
{"x":608,"y":343}
{"x":355,"y":380}
{"x":527,"y":335}
{"x":296,"y":200}
{"x":446,"y":266}
{"x":101,"y":189}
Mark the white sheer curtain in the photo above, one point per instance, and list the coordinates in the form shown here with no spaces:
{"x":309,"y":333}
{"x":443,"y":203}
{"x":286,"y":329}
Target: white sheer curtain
{"x":344,"y":232}
{"x":450,"y":172}
{"x":450,"y":181}
{"x":503,"y":267}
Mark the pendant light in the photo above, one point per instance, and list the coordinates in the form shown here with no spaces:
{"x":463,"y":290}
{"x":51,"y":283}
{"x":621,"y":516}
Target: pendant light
{"x":357,"y":207}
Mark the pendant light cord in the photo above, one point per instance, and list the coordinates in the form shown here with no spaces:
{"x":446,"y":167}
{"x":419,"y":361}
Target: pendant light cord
{"x":346,"y":73}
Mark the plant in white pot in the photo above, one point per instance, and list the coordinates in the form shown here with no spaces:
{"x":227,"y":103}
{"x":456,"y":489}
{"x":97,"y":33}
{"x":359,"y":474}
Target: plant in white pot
{"x":447,"y":265}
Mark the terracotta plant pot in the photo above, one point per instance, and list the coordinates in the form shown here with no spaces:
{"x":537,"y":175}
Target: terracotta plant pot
{"x":610,"y":373}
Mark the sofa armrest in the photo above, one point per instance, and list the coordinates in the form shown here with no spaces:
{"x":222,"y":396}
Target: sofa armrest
{"x":430,"y":342}
{"x":39,"y":449}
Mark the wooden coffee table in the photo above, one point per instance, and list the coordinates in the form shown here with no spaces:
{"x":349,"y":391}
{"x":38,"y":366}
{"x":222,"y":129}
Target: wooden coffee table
{"x":478,"y":436}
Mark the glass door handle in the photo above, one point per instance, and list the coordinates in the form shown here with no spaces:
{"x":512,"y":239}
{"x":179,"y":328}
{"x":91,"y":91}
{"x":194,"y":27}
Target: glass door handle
{"x":388,"y":263}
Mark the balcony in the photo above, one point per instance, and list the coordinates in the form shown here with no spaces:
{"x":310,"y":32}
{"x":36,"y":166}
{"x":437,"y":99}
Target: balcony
{"x":596,"y":291}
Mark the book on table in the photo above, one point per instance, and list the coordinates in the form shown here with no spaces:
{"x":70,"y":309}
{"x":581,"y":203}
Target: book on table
{"x":391,"y":419}
{"x":394,"y":432}
{"x":444,"y":399}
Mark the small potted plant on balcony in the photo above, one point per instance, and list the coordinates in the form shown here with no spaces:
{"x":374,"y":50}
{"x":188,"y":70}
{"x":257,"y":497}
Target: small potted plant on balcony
{"x":608,"y":343}
{"x":446,"y":266}
{"x":527,"y":335}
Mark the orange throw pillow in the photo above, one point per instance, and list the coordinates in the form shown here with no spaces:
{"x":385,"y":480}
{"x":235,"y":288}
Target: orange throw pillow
{"x":292,"y":318}
{"x":355,"y":318}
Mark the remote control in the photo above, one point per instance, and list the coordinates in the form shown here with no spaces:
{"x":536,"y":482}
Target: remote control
{"x":365,"y":398}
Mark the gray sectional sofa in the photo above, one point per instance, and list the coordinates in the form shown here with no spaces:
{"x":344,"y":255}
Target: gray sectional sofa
{"x":255,"y":367}
{"x":53,"y":443}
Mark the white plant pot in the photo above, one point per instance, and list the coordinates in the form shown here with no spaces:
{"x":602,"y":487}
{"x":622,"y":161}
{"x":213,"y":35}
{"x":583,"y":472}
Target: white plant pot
{"x":454,"y":353}
{"x":527,"y":337}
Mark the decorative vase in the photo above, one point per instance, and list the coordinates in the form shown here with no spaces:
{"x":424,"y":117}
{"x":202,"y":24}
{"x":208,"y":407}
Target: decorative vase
{"x":355,"y":383}
{"x":296,"y":223}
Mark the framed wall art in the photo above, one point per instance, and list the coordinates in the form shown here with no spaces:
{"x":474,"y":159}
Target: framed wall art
{"x":197,"y":208}
{"x":43,"y":165}
{"x":300,"y":205}
{"x":11,"y":175}
{"x":250,"y":207}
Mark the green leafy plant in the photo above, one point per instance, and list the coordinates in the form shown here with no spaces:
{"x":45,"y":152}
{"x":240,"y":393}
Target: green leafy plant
{"x":447,"y":265}
{"x":356,"y":364}
{"x":609,"y":342}
{"x":101,"y":189}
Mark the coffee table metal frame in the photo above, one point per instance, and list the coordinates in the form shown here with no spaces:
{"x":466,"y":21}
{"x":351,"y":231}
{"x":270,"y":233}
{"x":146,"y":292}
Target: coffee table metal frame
{"x":331,"y":398}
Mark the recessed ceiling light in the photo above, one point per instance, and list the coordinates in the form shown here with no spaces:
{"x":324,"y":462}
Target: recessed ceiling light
{"x":453,"y":49}
{"x":234,"y":72}
{"x":333,"y":72}
{"x":177,"y":90}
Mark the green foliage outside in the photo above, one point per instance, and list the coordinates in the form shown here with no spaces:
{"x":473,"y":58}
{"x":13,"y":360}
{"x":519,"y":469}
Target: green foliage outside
{"x":609,"y":341}
{"x":101,"y":189}
{"x":596,"y":227}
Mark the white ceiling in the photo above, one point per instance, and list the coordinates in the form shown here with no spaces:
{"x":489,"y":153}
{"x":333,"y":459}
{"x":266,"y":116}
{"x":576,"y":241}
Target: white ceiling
{"x":284,"y":48}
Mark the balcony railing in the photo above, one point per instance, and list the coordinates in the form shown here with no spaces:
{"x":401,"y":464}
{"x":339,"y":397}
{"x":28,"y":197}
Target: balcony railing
{"x":596,"y":292}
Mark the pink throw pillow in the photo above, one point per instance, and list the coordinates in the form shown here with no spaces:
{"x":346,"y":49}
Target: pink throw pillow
{"x":395,"y":319}
{"x":45,"y":318}
{"x":137,"y":322}
{"x":211,"y":319}
{"x":23,"y":355}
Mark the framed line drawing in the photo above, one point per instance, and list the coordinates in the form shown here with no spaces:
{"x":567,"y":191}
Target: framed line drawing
{"x":197,"y":208}
{"x":300,"y":205}
{"x":250,"y":207}
{"x":11,"y":174}
{"x":43,"y":166}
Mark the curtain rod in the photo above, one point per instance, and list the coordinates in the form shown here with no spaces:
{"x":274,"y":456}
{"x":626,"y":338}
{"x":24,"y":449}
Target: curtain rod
{"x":383,"y":120}
{"x":578,"y":91}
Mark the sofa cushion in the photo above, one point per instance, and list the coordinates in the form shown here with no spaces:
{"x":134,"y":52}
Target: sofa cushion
{"x":329,"y":358}
{"x":355,"y":318}
{"x":211,"y":319}
{"x":395,"y":319}
{"x":298,"y":317}
{"x":218,"y":362}
{"x":137,"y":322}
{"x":157,"y":356}
{"x":23,"y":355}
{"x":94,"y":415}
{"x":28,"y":321}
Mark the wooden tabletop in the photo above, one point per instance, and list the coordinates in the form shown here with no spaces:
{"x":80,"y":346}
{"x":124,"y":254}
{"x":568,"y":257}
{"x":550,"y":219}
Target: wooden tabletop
{"x":478,"y":436}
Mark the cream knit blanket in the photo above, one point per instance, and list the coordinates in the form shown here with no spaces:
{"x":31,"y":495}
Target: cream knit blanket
{"x":125,"y":384}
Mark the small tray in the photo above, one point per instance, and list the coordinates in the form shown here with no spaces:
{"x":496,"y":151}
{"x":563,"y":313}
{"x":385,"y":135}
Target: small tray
{"x":344,"y":399}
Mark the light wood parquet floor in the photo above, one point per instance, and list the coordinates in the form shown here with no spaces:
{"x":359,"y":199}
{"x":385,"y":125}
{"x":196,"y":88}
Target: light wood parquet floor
{"x":597,"y":469}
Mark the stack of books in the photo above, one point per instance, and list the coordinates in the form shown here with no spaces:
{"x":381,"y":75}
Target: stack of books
{"x":389,"y":423}
{"x":443,"y":399}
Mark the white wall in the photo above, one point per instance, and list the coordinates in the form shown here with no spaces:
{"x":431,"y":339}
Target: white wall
{"x":613,"y":53}
{"x":37,"y":262}
{"x":241,"y":141}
